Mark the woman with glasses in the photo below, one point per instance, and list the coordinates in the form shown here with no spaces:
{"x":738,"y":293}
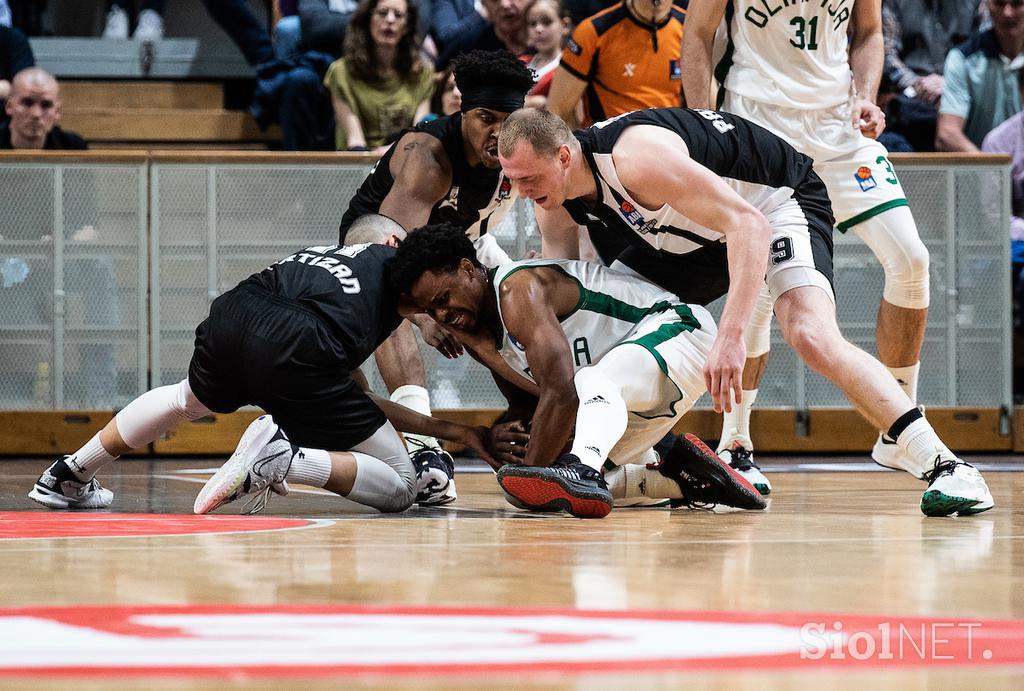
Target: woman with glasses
{"x":380,"y":85}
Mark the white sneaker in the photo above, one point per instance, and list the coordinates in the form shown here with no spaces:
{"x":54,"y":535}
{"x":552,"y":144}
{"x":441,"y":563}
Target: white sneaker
{"x":888,"y":454}
{"x":259,"y":464}
{"x":149,"y":27}
{"x":741,"y":459}
{"x":117,"y":23}
{"x":59,"y":488}
{"x":955,"y":487}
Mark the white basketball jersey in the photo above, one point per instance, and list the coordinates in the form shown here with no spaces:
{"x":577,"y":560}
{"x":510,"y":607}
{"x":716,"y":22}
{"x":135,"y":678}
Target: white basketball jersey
{"x":610,"y":307}
{"x":790,"y":53}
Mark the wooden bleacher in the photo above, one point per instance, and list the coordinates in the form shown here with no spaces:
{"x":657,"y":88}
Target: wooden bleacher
{"x":142,"y":114}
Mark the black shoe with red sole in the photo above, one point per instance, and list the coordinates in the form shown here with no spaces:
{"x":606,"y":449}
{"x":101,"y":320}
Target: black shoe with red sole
{"x":566,"y":485}
{"x":706,"y":479}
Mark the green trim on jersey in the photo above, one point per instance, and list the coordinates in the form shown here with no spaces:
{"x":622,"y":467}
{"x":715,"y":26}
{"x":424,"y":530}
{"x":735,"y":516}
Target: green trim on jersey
{"x":653,"y":339}
{"x":610,"y":306}
{"x":871,"y":213}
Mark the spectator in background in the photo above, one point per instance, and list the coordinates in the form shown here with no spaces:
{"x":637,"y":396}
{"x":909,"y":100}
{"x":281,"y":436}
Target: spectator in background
{"x":918,"y":34}
{"x":624,"y":58}
{"x":447,"y":99}
{"x":454,"y":18}
{"x":324,"y":23}
{"x":504,"y":29}
{"x":381,"y":85}
{"x":288,"y":91}
{"x":1008,"y":138}
{"x":982,"y":80}
{"x":149,"y":25}
{"x":547,"y":28}
{"x":15,"y":55}
{"x":33,"y":106}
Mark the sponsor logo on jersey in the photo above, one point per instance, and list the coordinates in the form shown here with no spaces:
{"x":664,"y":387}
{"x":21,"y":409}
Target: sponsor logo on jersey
{"x":517,"y":344}
{"x":574,"y":47}
{"x":635,"y":218}
{"x":629,"y":69}
{"x":504,"y":189}
{"x":674,"y":71}
{"x":865,"y":179}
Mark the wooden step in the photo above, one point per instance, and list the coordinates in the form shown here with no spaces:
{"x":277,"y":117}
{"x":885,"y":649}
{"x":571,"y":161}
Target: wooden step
{"x":142,"y":95}
{"x":163,"y":125}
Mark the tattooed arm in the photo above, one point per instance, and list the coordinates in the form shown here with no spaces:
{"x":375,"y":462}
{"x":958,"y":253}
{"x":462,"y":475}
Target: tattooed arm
{"x":422,"y":174}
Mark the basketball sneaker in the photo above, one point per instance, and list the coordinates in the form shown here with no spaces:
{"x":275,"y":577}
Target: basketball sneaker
{"x":741,"y":459}
{"x":706,"y":479}
{"x":259,"y":464}
{"x":435,"y":476}
{"x":955,"y":487}
{"x":565,"y":485}
{"x":59,"y":488}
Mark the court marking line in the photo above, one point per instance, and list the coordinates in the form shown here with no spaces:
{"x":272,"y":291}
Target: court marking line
{"x":313,"y":523}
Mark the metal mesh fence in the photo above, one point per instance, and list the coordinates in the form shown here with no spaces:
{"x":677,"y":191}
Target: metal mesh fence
{"x":73,"y":332}
{"x":73,"y":291}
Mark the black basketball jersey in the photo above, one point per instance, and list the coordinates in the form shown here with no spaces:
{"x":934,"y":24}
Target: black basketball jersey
{"x":477,"y":198}
{"x":349,"y":288}
{"x":762,"y":168}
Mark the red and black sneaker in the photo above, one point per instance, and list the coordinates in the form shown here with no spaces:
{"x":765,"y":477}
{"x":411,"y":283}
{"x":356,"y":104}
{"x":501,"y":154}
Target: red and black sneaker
{"x":565,"y":485}
{"x":705,"y":479}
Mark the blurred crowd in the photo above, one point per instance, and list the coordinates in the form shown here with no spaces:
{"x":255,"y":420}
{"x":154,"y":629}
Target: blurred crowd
{"x":352,"y":74}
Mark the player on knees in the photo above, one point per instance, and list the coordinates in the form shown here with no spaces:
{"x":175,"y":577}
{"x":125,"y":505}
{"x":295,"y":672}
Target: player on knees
{"x":620,"y":358}
{"x":713,"y":195}
{"x":286,"y":339}
{"x":445,"y":170}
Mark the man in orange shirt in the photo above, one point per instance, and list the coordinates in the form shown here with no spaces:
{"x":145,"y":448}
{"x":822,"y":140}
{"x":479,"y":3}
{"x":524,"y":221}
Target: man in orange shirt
{"x":621,"y":59}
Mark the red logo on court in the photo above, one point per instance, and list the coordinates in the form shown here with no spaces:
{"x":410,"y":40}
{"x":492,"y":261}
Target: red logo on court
{"x":329,"y":640}
{"x":22,"y":525}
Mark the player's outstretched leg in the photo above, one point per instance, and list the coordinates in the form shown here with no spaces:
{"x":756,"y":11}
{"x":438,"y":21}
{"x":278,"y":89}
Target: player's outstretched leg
{"x":808,"y":321}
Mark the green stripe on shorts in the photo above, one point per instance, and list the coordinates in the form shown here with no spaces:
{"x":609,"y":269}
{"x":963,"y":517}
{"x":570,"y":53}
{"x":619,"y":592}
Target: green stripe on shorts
{"x":871,"y":213}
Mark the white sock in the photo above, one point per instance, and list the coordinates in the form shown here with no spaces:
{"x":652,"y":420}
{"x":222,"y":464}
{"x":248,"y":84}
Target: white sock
{"x":736,"y":424}
{"x":632,"y":480}
{"x":922,"y":447}
{"x":89,"y":459}
{"x":415,"y":398}
{"x":906,"y":377}
{"x":600,"y":419}
{"x":310,"y":467}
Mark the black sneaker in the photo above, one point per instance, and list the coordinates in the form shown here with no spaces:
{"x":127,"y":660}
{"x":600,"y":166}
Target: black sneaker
{"x":566,"y":485}
{"x":705,"y":479}
{"x":59,"y":488}
{"x":435,"y":477}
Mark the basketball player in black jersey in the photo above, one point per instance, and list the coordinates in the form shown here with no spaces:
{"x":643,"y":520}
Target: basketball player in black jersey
{"x":286,"y":339}
{"x":445,"y":171}
{"x":710,"y":195}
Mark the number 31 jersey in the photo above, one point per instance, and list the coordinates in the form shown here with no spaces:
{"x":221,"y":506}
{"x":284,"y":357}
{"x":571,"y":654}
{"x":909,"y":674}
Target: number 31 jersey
{"x":790,"y":53}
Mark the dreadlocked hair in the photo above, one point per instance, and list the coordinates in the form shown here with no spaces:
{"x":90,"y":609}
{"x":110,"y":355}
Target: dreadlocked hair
{"x":491,"y":68}
{"x":437,"y":247}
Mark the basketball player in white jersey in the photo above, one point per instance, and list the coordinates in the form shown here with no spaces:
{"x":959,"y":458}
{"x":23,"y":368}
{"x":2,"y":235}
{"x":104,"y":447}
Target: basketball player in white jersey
{"x":620,"y":356}
{"x":809,"y":72}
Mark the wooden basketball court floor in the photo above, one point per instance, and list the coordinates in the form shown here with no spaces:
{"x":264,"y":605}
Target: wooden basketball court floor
{"x":841,"y":583}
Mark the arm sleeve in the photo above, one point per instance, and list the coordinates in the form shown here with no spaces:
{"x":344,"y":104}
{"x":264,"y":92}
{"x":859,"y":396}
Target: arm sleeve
{"x":580,"y":51}
{"x":956,"y":95}
{"x":453,"y":18}
{"x":322,"y":28}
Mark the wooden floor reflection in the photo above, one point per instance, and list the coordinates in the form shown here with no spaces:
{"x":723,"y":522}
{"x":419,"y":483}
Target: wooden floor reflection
{"x":851,"y":543}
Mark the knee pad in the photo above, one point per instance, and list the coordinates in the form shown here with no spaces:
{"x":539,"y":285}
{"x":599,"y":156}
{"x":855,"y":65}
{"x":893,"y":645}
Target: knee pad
{"x":758,"y":335}
{"x":186,"y":404}
{"x":893,"y":237}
